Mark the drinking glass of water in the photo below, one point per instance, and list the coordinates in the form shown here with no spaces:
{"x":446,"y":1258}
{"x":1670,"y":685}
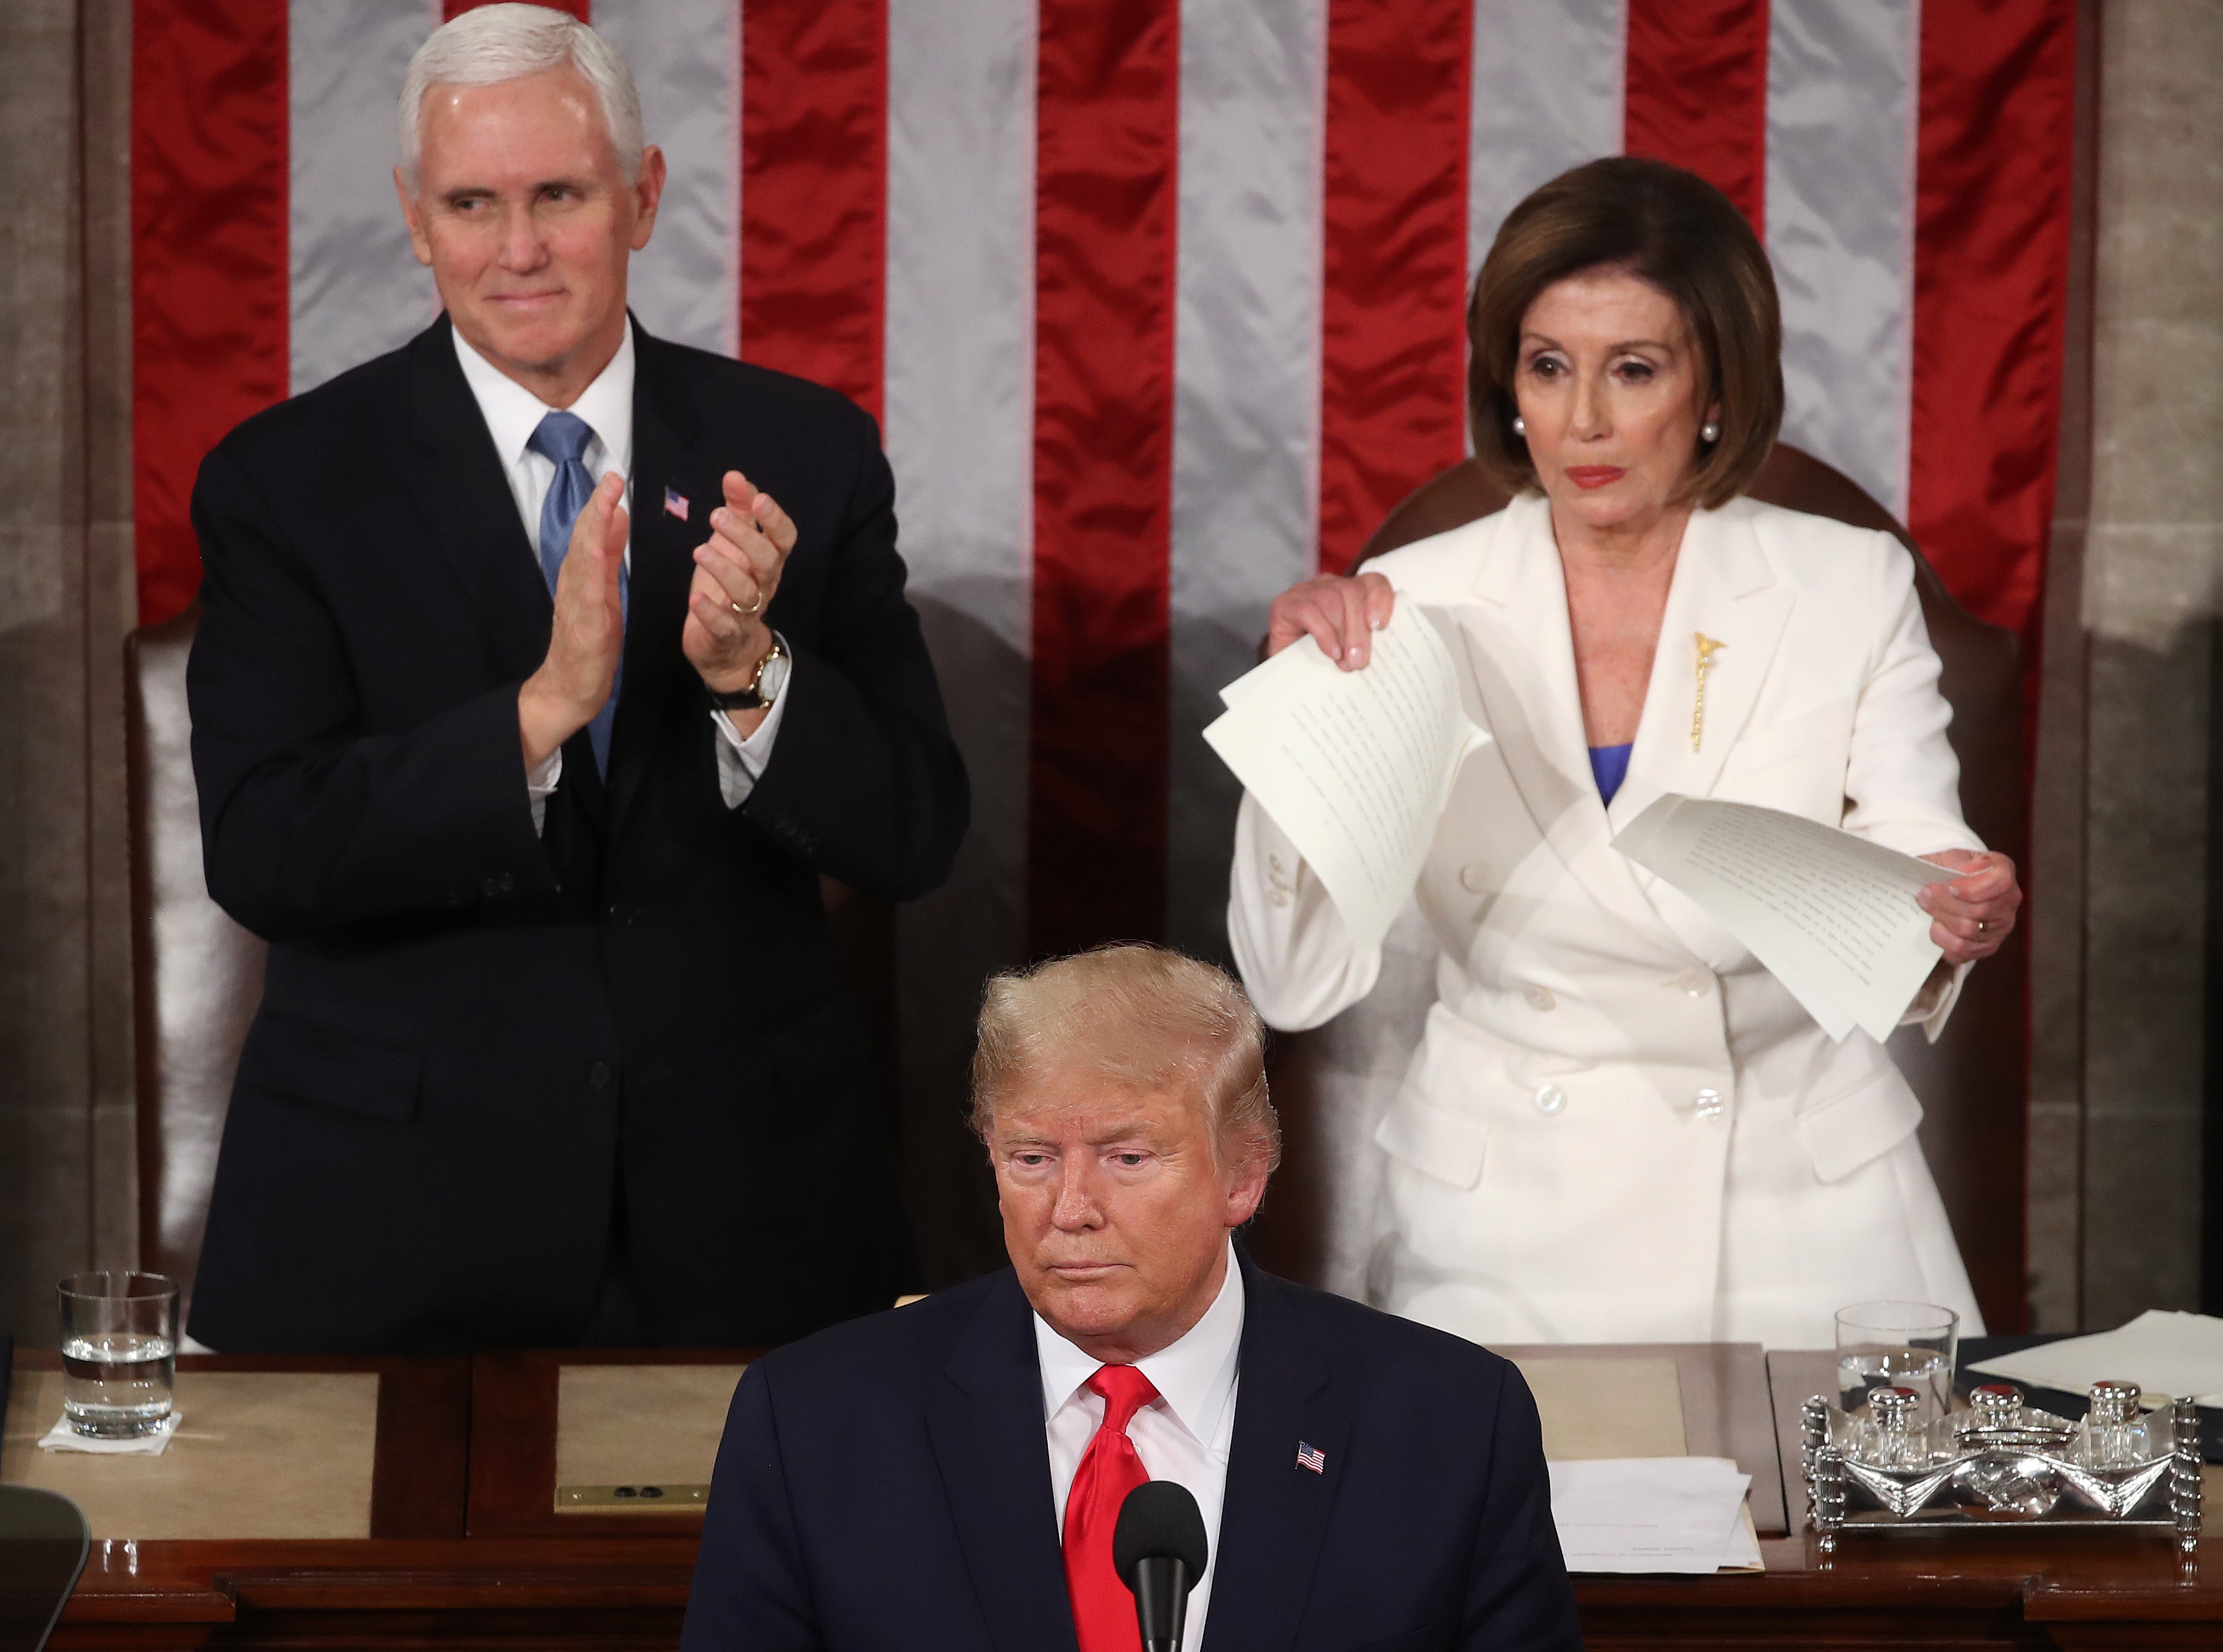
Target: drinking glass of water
{"x":119,"y":1353}
{"x":1897,"y":1345}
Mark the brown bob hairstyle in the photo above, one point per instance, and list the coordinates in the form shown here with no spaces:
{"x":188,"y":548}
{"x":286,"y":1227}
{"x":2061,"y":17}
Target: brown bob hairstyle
{"x":1668,"y":227}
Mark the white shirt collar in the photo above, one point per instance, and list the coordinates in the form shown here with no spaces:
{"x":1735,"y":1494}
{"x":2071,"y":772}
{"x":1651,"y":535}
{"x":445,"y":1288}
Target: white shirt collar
{"x":1194,"y":1376}
{"x":512,"y":412}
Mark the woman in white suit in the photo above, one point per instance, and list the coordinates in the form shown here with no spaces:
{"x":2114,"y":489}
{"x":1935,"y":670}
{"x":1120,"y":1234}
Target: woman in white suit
{"x":1618,"y":1126}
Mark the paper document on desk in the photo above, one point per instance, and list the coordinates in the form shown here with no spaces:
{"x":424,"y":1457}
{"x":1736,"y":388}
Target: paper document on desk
{"x":1830,"y":915}
{"x":1355,"y":766}
{"x":1654,"y":1514}
{"x":2164,"y":1353}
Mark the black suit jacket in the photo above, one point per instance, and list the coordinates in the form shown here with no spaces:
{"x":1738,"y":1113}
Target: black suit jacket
{"x":467,"y":1026}
{"x":886,"y":1485}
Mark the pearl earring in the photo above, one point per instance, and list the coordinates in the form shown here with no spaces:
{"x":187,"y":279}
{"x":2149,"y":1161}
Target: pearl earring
{"x":1710,"y":431}
{"x":1519,"y":425}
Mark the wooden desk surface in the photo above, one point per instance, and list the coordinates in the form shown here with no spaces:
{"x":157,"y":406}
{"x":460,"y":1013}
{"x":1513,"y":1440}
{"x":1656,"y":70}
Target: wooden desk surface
{"x":420,"y":1581}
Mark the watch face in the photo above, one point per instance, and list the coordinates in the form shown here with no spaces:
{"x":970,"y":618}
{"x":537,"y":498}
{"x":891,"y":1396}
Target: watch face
{"x":773,"y":678}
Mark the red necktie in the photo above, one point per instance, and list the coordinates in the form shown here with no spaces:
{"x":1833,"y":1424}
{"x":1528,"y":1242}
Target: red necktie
{"x":1103,"y":1607}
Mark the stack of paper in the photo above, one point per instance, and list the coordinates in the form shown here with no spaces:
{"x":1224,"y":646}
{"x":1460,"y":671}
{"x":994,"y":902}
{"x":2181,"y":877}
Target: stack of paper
{"x":2164,"y":1353}
{"x":1832,"y":916}
{"x":1654,"y":1514}
{"x":1355,"y":766}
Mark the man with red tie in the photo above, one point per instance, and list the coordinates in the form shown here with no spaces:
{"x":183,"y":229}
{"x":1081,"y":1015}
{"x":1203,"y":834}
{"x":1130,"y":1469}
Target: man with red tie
{"x":949,"y":1474}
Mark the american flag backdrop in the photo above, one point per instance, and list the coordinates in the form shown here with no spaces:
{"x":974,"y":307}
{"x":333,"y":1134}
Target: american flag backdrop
{"x":1159,"y":304}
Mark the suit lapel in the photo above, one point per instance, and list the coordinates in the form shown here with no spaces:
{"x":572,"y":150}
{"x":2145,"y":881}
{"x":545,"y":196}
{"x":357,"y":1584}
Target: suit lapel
{"x":1276,"y":1512}
{"x":1723,"y":590}
{"x":666,"y":430}
{"x":456,"y":478}
{"x":986,"y":1423}
{"x":1521,"y":653}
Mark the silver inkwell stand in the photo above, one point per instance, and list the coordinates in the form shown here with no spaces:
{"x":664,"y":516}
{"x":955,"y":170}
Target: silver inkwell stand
{"x":2002,"y":1463}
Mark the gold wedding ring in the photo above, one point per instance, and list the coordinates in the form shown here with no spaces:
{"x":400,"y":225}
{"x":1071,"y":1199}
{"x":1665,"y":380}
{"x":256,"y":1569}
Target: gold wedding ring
{"x":749,"y":612}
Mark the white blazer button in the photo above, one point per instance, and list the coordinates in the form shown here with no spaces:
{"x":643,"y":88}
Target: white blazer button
{"x":1540,"y":998}
{"x":1697,"y":985}
{"x":1550,"y":1098}
{"x":1709,"y":1103}
{"x":1280,"y":897}
{"x":1474,"y":878}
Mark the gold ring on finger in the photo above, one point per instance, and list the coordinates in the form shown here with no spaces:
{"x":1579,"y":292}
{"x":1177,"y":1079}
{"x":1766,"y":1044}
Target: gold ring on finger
{"x":754,"y":608}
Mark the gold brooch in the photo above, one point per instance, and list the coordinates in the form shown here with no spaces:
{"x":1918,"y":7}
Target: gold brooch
{"x":1707,"y":649}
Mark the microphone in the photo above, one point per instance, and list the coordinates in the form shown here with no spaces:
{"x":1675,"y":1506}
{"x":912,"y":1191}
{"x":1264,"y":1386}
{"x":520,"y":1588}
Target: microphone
{"x":1158,"y":1548}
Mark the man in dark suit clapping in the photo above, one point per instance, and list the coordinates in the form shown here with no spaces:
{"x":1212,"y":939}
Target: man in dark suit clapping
{"x":949,"y":1474}
{"x":544,"y":667}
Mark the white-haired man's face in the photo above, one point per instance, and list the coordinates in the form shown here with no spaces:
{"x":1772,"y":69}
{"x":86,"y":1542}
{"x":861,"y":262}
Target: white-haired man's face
{"x":1116,"y":1209}
{"x":525,"y":216}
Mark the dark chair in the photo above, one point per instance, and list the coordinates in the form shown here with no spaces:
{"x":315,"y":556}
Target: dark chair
{"x":43,"y":1544}
{"x":1971,"y":1081}
{"x":199,"y":975}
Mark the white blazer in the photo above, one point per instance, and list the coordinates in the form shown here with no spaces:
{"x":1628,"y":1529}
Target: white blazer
{"x":1617,"y":1126}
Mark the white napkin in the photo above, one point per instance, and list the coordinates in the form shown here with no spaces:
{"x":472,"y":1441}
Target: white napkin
{"x":1651,"y":1514}
{"x":2164,"y":1353}
{"x":62,"y":1437}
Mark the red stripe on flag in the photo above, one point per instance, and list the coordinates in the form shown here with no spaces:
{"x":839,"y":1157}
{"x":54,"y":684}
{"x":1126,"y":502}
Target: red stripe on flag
{"x":1697,"y":92}
{"x":1990,"y":283}
{"x":1108,"y":121}
{"x":815,"y":191}
{"x":451,"y":9}
{"x":1394,"y":234}
{"x":209,"y":295}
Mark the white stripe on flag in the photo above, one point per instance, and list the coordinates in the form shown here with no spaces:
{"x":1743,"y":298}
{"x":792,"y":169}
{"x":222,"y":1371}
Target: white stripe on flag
{"x":357,"y":291}
{"x":1841,"y":120}
{"x":958,"y":384}
{"x":1547,"y":96}
{"x":1246,"y":398}
{"x":686,"y":59}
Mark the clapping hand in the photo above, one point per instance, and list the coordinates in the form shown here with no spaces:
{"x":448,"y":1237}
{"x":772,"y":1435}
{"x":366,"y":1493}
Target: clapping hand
{"x":736,"y":573}
{"x":588,"y":638}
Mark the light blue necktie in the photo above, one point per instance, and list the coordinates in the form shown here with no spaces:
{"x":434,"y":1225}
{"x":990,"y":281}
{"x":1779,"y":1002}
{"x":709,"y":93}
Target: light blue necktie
{"x":563,"y":440}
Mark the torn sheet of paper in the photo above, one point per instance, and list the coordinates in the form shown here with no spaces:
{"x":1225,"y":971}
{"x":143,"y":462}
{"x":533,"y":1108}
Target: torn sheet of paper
{"x":1354,"y":766}
{"x":1831,"y":915}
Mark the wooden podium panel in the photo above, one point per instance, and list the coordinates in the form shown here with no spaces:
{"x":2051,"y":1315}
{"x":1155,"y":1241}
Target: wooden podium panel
{"x":516,"y":1439}
{"x":620,"y":1581}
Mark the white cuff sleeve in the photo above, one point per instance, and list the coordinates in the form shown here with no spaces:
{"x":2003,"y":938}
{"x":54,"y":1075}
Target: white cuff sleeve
{"x":741,"y":761}
{"x":539,"y":782}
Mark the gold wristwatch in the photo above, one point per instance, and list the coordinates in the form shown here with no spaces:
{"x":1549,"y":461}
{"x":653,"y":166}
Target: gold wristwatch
{"x":764,"y":685}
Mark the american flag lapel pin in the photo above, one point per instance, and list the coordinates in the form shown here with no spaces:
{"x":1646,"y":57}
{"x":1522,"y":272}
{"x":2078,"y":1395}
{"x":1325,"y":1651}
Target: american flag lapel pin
{"x":675,"y":503}
{"x":1312,"y":1457}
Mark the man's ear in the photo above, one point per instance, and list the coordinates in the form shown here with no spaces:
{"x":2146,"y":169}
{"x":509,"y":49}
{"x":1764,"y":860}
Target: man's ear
{"x":647,"y":192}
{"x":418,"y":242}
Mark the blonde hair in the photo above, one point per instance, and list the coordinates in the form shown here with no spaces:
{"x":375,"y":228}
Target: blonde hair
{"x":1138,"y":1017}
{"x":491,"y":44}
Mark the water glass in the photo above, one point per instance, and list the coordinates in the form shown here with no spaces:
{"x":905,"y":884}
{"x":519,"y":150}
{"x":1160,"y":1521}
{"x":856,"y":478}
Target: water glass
{"x":1898,"y":1344}
{"x":119,"y":1353}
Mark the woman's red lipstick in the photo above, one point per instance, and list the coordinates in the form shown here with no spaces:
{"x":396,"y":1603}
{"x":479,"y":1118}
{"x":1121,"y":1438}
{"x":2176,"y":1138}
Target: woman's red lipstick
{"x":1590,"y":476}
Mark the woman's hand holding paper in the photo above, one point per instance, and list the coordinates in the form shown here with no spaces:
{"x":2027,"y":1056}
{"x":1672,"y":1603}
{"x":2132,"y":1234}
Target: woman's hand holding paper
{"x":1973,"y":914}
{"x":1341,"y":615}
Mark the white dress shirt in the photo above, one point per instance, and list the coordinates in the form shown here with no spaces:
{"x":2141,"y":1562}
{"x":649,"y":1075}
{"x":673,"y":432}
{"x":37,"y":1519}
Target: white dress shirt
{"x":512,"y":414}
{"x":1184,"y":1435}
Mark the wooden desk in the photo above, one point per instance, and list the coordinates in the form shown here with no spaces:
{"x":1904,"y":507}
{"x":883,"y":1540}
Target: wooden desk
{"x":612,"y":1581}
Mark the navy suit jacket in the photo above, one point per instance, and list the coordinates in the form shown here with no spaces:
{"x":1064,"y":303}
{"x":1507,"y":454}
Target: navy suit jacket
{"x":886,"y":1485}
{"x":470,"y":1030}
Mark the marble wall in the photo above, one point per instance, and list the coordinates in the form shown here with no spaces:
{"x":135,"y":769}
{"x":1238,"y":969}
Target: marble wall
{"x":66,"y":1192}
{"x":2147,"y":595}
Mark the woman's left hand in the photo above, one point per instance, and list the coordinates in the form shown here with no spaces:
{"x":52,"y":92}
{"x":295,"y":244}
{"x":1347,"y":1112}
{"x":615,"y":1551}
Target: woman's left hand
{"x":1972,"y":916}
